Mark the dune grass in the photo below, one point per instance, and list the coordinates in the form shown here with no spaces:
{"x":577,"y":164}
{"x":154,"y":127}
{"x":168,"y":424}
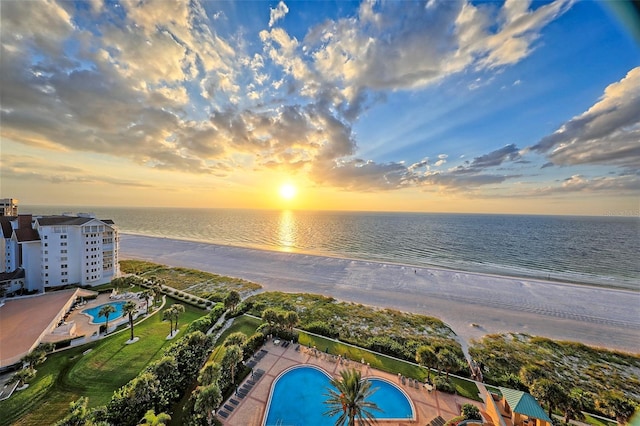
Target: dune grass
{"x":67,"y":375}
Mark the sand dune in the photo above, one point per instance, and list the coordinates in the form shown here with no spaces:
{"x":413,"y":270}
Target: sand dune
{"x":591,"y":315}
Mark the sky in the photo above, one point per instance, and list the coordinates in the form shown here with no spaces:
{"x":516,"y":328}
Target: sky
{"x":438,"y":106}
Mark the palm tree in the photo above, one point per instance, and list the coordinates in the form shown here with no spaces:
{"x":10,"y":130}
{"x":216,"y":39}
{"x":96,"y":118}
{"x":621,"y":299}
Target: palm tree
{"x":547,"y":391}
{"x":447,"y":360}
{"x":349,"y":398}
{"x":130,"y":308}
{"x":153,"y":419}
{"x":209,"y":373}
{"x":232,"y":300}
{"x":168,"y":315}
{"x":105,"y":311}
{"x":232,"y":357}
{"x":177,"y":309}
{"x":148,"y":294}
{"x":208,"y":399}
{"x":426,"y":356}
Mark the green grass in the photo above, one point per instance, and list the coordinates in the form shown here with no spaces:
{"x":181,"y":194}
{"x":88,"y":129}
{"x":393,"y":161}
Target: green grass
{"x":597,"y":422}
{"x":464,"y":388}
{"x":244,"y":324}
{"x":67,"y":375}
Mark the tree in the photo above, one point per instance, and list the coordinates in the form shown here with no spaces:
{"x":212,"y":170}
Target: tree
{"x":177,"y":309}
{"x":34,"y":358}
{"x":232,"y":357}
{"x":238,"y":338}
{"x":547,"y":391}
{"x":447,"y":360}
{"x":617,"y":405}
{"x":106,"y":311}
{"x":291,"y":319}
{"x":232,"y":300}
{"x":208,"y":398}
{"x":572,"y":403}
{"x":350,"y":398}
{"x":209,"y":373}
{"x":530,"y":373}
{"x":146,"y":295}
{"x":270,"y":316}
{"x":470,"y":412}
{"x":426,"y":356}
{"x":130,"y":308}
{"x":167,"y":314}
{"x":153,"y":419}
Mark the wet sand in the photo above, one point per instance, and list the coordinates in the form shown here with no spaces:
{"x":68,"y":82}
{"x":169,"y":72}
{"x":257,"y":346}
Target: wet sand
{"x":471,"y":304}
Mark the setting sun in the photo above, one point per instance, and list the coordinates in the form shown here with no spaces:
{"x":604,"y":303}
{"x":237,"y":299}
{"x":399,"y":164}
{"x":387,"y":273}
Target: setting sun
{"x":287,"y":191}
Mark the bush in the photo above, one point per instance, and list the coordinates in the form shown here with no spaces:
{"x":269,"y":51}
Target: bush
{"x":470,"y":412}
{"x":442,"y":384}
{"x":323,"y":329}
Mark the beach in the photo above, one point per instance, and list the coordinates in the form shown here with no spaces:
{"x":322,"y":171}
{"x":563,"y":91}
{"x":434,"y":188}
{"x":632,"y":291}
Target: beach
{"x":472,"y":304}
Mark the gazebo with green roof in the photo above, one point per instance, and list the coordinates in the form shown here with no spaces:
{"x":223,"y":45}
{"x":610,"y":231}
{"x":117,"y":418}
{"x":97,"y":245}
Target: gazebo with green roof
{"x":525,"y":410}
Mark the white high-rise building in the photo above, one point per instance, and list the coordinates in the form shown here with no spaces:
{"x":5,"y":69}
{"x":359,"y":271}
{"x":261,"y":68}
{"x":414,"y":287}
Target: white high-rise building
{"x":56,"y":251}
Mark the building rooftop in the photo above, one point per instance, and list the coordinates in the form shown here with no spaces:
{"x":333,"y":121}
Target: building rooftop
{"x":523,"y":403}
{"x":27,"y":234}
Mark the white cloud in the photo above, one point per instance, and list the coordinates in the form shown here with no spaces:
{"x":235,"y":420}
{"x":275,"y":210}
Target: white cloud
{"x":607,"y":133}
{"x":278,"y":13}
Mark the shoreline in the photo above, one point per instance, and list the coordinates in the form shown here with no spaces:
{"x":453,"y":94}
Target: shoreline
{"x":585,"y":313}
{"x":534,"y":278}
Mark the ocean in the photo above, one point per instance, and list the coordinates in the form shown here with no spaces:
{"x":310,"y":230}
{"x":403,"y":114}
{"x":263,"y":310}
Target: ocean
{"x":589,"y":250}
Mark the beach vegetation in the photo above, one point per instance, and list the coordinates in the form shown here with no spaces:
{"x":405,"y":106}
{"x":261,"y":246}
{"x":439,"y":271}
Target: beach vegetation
{"x":199,"y":283}
{"x":387,"y":331}
{"x":349,"y":397}
{"x":507,"y":358}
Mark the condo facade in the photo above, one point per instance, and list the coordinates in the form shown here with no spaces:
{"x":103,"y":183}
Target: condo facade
{"x":57,"y":251}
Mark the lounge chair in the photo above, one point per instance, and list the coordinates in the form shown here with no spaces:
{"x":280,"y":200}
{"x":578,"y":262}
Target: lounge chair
{"x":229,"y":408}
{"x":223,"y":414}
{"x":234,"y":402}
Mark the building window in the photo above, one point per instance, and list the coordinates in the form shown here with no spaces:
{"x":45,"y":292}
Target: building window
{"x":63,"y":244}
{"x":46,"y":237}
{"x":63,"y":236}
{"x":63,"y":251}
{"x":46,"y":266}
{"x":63,"y":266}
{"x":46,"y":244}
{"x":63,"y":259}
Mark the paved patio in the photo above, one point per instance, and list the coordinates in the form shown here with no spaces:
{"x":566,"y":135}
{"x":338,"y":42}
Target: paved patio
{"x":250,"y":410}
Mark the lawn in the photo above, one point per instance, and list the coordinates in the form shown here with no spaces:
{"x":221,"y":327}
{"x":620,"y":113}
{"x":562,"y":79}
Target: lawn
{"x":244,"y":324}
{"x":378,"y":361}
{"x":67,"y":375}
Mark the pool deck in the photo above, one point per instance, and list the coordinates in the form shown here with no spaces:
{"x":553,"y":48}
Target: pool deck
{"x":251,"y":409}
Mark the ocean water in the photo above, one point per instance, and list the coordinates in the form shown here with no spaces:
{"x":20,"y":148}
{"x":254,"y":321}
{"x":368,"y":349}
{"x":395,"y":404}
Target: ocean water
{"x":591,"y":250}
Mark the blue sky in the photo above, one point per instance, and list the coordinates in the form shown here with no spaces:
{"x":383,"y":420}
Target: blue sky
{"x":508,"y":107}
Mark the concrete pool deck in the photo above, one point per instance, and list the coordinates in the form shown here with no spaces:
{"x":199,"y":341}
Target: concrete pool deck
{"x":251,"y":408}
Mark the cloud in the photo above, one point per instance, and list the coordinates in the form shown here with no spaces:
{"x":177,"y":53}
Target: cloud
{"x":31,"y":168}
{"x":277,"y":13}
{"x":154,"y":82}
{"x":608,"y":133}
{"x":581,"y":184}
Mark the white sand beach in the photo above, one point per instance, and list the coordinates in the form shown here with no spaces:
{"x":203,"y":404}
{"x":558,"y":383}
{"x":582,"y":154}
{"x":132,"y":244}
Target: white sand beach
{"x":595,"y":316}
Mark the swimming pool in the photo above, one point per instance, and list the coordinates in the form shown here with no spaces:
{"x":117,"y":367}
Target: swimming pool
{"x":93,"y":312}
{"x":297,"y":398}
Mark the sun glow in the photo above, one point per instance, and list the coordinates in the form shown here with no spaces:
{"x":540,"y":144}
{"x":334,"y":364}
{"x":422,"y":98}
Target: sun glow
{"x":287,"y":191}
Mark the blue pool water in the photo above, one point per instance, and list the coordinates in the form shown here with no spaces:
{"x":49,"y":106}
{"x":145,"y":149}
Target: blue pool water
{"x":297,"y":398}
{"x":93,"y":312}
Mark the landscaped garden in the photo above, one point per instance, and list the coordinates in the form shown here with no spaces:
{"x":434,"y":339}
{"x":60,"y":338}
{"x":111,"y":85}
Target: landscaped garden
{"x":114,"y":377}
{"x":94,"y":370}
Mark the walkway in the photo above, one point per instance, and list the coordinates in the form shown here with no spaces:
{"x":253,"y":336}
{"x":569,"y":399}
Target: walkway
{"x":250,"y":409}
